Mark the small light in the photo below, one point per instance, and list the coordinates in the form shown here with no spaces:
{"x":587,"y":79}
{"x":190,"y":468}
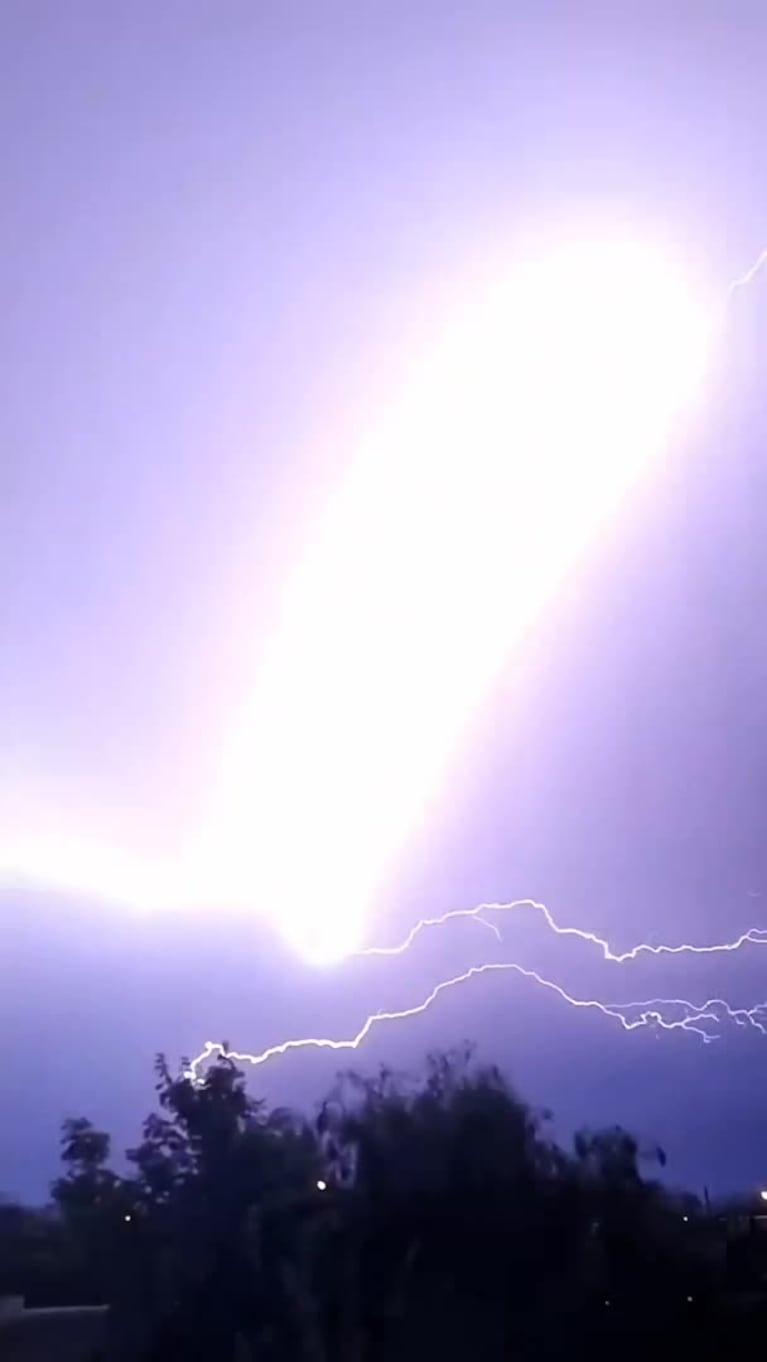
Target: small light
{"x":322,"y":1186}
{"x":685,"y":1218}
{"x":689,"y":1300}
{"x":763,"y":1195}
{"x":127,"y":1218}
{"x":607,"y":1302}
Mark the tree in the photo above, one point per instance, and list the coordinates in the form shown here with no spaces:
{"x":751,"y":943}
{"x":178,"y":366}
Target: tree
{"x":426,"y":1216}
{"x":202,"y":1243}
{"x":445,"y":1188}
{"x":92,"y":1202}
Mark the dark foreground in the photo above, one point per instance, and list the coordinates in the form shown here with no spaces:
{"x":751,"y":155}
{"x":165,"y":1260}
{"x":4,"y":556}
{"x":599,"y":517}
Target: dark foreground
{"x":408,"y":1219}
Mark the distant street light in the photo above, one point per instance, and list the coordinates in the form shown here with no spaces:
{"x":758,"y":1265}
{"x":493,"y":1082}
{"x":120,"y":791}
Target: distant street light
{"x":322,"y":1186}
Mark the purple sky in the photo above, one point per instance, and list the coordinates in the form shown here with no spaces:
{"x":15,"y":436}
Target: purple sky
{"x":214,"y":217}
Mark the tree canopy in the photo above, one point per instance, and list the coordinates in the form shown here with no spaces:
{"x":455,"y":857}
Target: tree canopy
{"x":409,"y":1217}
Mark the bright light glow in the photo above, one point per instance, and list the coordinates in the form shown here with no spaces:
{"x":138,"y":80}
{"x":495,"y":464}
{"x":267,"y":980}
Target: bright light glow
{"x":73,"y":865}
{"x":763,"y":1195}
{"x":322,"y":1186}
{"x":516,"y":437}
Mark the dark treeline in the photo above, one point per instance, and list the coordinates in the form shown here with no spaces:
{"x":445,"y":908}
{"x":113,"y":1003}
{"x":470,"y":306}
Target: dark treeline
{"x":409,"y":1219}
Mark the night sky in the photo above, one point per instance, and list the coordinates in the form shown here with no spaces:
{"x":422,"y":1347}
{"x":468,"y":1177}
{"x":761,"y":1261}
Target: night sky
{"x":215,"y":219}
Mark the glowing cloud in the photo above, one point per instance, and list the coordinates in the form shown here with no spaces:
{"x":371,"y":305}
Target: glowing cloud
{"x":513,"y":440}
{"x":75,"y":865}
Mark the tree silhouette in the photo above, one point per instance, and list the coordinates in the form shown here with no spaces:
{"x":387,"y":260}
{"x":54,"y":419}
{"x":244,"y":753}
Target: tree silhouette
{"x":418,"y":1216}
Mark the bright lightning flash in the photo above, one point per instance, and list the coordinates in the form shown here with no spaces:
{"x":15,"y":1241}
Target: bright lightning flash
{"x":568,"y":386}
{"x":515,"y":437}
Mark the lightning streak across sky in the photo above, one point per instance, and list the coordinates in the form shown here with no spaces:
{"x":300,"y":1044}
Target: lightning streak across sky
{"x":648,"y":1012}
{"x":755,"y":936}
{"x":749,"y":275}
{"x":522,"y":432}
{"x":667,"y":1014}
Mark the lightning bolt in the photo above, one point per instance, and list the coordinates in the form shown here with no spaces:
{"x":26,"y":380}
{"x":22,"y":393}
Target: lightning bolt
{"x":631,"y":1016}
{"x":704,"y":1020}
{"x":748,"y":277}
{"x":667,"y":1014}
{"x":755,"y":936}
